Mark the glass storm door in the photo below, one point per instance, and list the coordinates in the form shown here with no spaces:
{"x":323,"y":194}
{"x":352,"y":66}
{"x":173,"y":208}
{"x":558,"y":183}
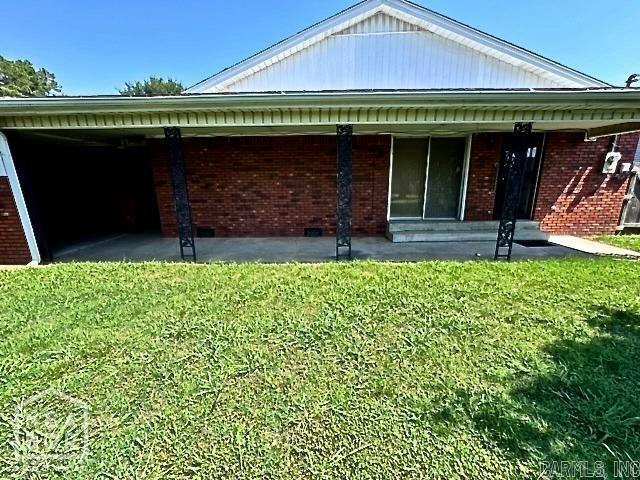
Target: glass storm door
{"x":408,"y":175}
{"x":446,"y":163}
{"x":426,"y":178}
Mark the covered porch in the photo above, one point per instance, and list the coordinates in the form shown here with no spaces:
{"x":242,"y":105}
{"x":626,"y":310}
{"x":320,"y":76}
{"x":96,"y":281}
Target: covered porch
{"x":350,"y":167}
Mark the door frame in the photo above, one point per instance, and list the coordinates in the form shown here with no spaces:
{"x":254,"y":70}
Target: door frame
{"x":462,"y":196}
{"x":531,"y":209}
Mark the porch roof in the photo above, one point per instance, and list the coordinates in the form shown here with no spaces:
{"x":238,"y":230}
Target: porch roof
{"x":597,"y":111}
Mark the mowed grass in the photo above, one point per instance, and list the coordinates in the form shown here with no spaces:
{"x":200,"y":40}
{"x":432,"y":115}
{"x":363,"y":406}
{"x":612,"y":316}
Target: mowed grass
{"x":631,"y":242}
{"x":363,"y":370}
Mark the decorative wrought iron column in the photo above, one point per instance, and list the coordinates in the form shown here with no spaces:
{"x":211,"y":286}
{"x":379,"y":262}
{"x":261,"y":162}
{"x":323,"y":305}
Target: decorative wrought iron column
{"x":344,"y":191}
{"x":180,"y":193}
{"x":514,"y":162}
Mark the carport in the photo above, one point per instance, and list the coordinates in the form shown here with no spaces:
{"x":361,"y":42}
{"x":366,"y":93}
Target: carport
{"x":84,"y":187}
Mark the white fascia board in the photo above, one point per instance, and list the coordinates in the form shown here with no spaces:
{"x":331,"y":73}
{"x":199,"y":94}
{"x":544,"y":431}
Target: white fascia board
{"x":411,"y":13}
{"x":588,"y":108}
{"x":582,"y":98}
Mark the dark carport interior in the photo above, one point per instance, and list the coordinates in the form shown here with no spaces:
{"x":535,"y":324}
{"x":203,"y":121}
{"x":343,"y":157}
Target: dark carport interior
{"x":84,"y":187}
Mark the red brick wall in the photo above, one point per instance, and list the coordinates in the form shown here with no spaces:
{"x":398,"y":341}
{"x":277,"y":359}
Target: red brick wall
{"x":14,"y":249}
{"x":484,"y":162}
{"x":574,"y":197}
{"x":275,"y":186}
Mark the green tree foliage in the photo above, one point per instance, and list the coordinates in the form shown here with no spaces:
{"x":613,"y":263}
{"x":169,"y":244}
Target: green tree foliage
{"x":19,"y":78}
{"x":152,"y":87}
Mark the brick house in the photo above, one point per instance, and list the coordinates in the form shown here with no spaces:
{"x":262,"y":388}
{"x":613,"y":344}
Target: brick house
{"x":420,"y":108}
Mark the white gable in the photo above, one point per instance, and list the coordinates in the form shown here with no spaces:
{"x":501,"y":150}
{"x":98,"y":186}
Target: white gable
{"x":392,"y":44}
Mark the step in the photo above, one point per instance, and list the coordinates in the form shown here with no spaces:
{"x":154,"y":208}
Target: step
{"x":462,"y":235}
{"x":452,"y":226}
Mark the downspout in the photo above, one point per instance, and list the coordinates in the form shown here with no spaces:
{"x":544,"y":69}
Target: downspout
{"x":7,"y":168}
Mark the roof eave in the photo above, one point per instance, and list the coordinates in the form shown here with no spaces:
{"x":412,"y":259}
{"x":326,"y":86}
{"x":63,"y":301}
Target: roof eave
{"x":451,"y":98}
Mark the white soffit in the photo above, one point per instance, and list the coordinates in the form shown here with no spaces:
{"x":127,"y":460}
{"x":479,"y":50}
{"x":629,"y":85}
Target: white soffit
{"x":392,"y":44}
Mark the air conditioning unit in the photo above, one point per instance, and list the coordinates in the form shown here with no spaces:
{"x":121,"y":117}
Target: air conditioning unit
{"x":611,"y":163}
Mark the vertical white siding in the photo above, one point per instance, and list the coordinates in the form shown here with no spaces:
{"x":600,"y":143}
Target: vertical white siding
{"x":383,"y":52}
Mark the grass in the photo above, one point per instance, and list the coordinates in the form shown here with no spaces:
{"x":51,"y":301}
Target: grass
{"x":364,"y":370}
{"x":630,"y":242}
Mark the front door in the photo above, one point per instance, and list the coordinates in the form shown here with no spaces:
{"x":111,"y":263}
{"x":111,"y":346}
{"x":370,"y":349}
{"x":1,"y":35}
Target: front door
{"x":529,"y":181}
{"x":426,"y":180}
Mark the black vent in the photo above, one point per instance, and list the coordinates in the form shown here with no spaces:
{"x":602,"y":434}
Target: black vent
{"x":312,"y":232}
{"x":205,"y":232}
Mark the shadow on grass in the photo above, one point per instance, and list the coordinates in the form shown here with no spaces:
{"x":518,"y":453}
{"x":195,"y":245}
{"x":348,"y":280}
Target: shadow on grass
{"x":586,"y":407}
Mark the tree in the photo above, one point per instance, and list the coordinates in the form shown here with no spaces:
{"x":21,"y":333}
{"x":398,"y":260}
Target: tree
{"x":152,"y":87}
{"x":19,"y":78}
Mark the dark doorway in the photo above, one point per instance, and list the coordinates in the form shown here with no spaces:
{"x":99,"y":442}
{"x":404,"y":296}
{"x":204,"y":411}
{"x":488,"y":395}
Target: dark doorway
{"x":530,"y":180}
{"x":82,"y":191}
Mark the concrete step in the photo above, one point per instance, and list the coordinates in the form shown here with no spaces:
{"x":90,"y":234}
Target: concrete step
{"x":452,"y":226}
{"x":524,"y":231}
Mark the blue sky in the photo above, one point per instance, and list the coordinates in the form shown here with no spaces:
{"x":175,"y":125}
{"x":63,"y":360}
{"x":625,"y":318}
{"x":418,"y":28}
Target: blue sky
{"x":94,"y":46}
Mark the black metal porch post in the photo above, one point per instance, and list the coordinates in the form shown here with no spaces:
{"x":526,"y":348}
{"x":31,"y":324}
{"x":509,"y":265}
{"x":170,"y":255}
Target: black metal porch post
{"x":344,"y":184}
{"x":180,"y":193}
{"x":514,"y":162}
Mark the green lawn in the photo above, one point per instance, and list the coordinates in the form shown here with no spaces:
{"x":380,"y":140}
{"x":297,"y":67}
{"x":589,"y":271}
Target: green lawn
{"x":364,"y":370}
{"x":631,"y":242}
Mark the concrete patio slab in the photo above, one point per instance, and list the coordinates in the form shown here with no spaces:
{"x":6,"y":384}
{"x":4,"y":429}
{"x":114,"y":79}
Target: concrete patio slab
{"x":138,"y":248}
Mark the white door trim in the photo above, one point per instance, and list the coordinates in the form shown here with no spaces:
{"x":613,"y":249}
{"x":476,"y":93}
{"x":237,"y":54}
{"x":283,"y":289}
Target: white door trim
{"x":9,"y":170}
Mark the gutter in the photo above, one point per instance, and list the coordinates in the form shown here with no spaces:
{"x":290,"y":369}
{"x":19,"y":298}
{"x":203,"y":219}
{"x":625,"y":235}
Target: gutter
{"x":569,"y":98}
